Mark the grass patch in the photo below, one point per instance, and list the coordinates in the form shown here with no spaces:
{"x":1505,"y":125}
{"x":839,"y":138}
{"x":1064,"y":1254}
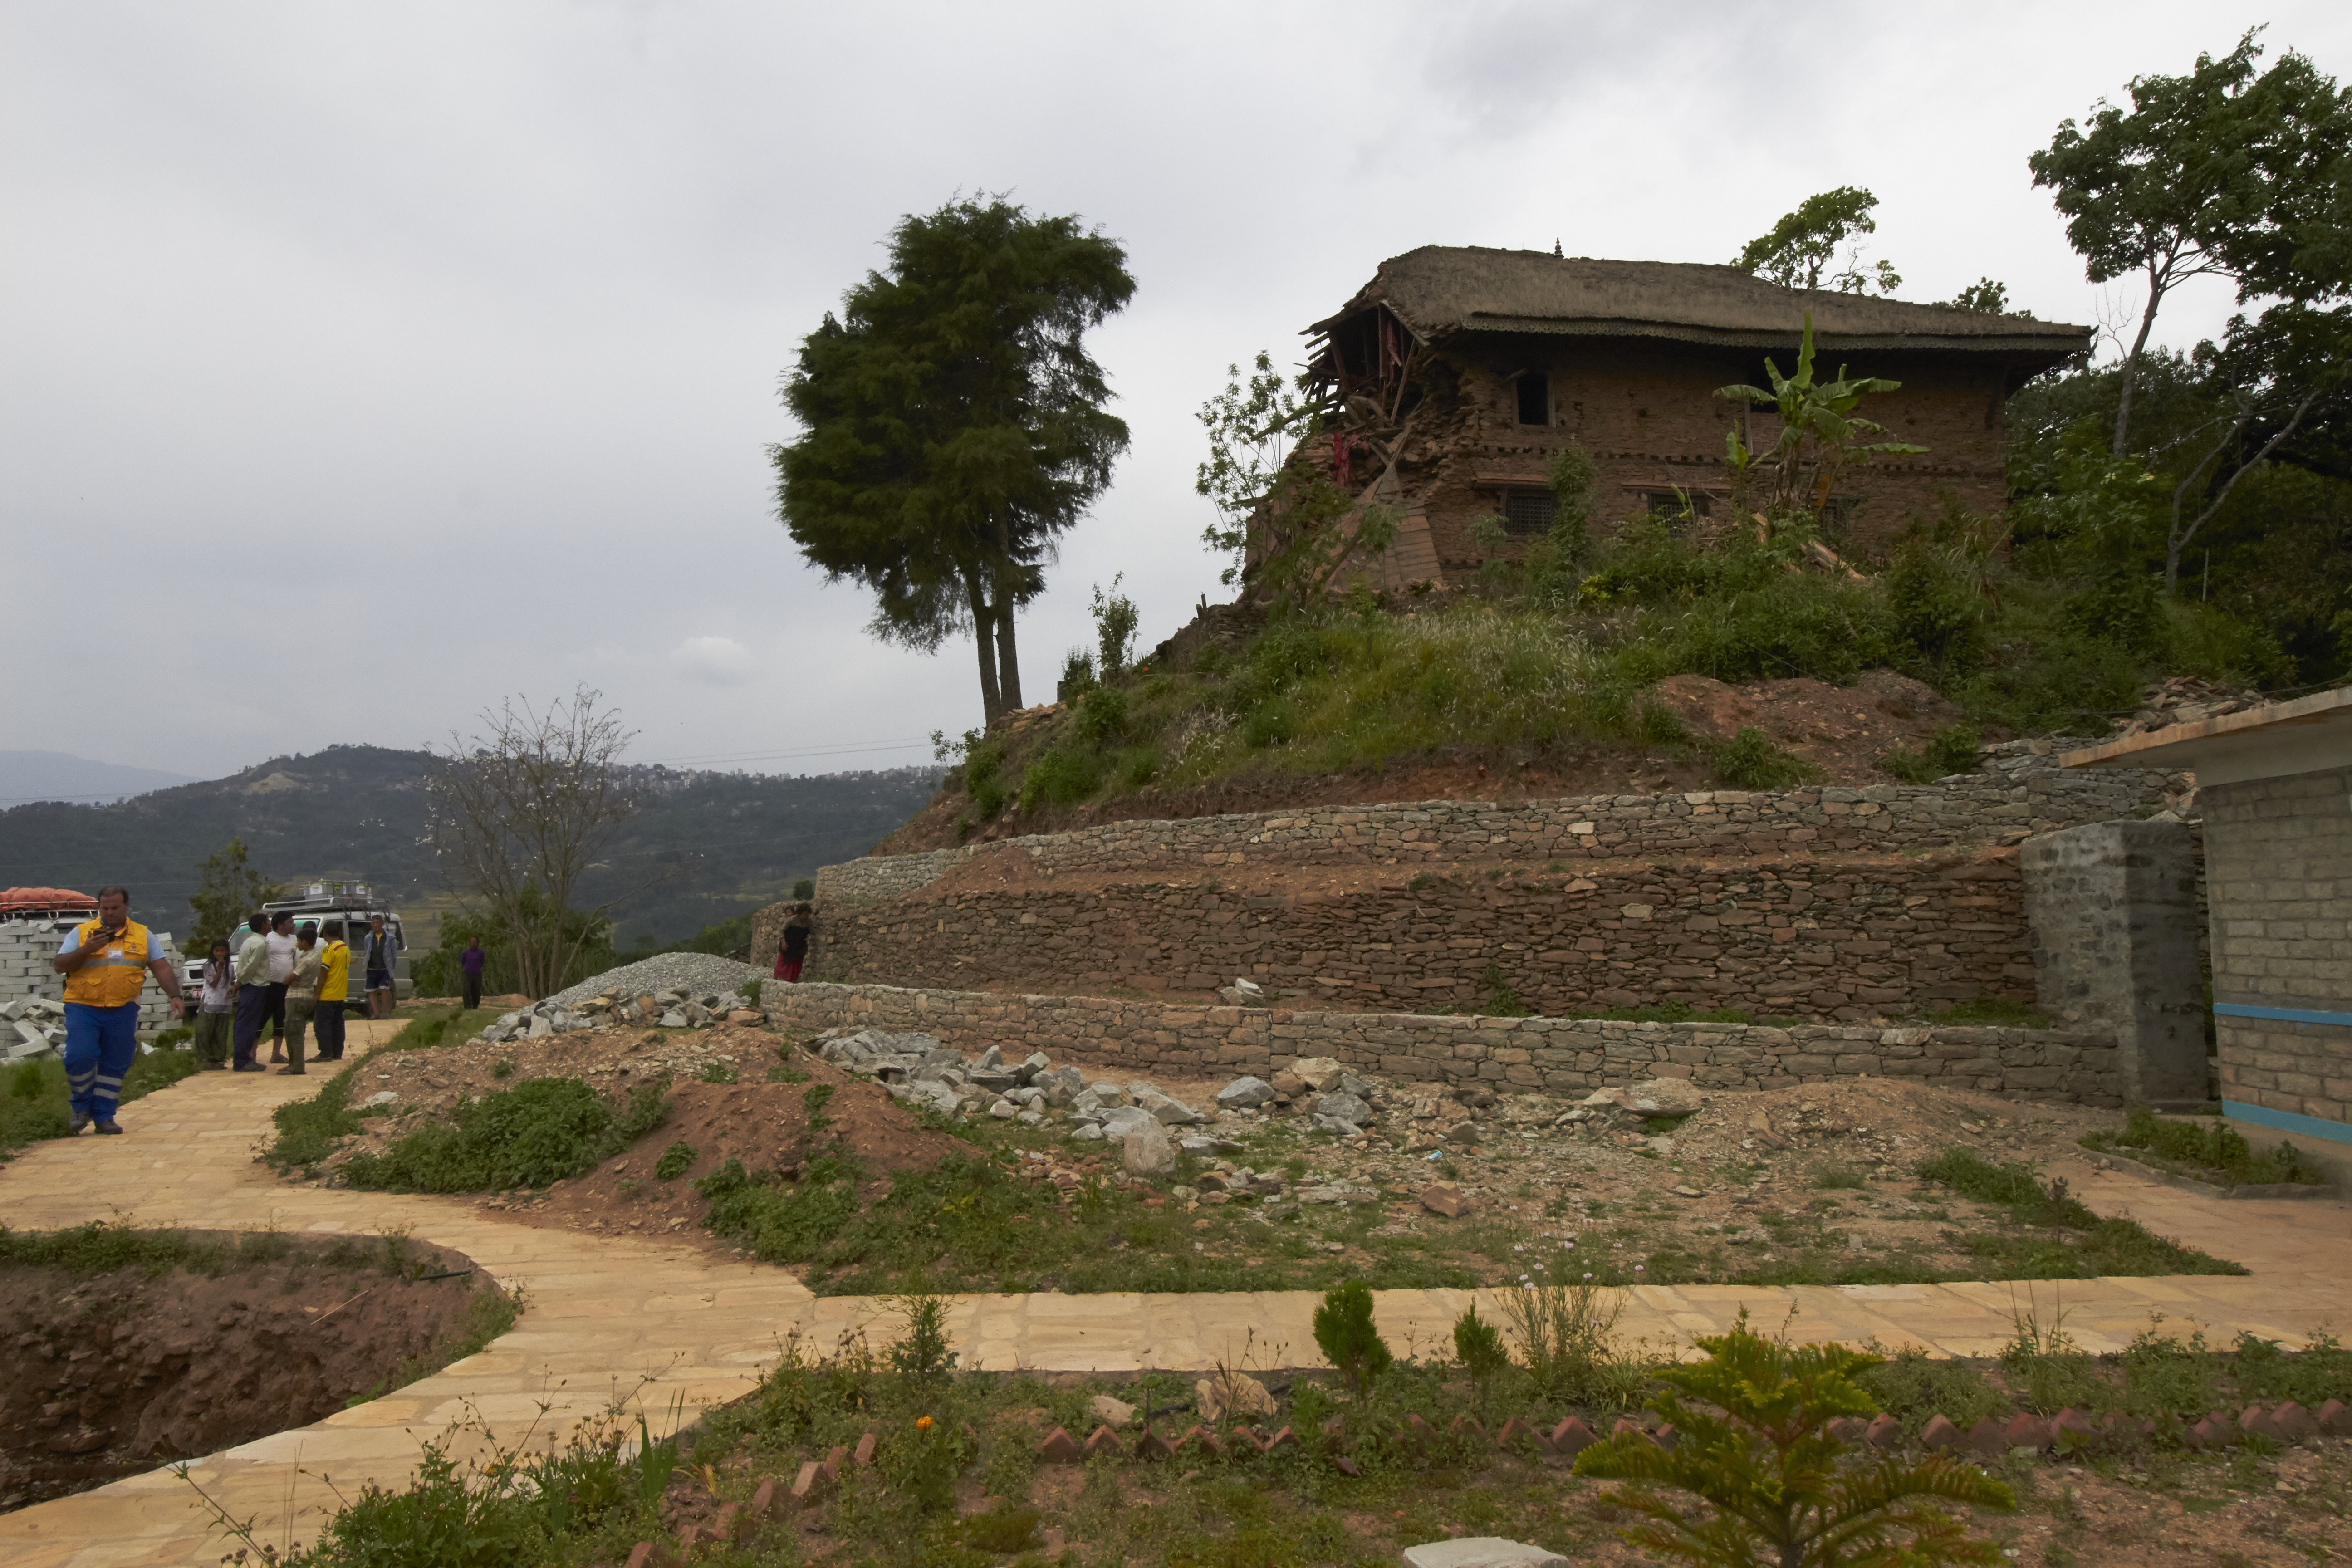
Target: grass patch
{"x":2209,"y":1151}
{"x":2057,"y":1235}
{"x":532,"y":1135}
{"x":103,"y":1246}
{"x":35,"y":1103}
{"x":308,"y":1129}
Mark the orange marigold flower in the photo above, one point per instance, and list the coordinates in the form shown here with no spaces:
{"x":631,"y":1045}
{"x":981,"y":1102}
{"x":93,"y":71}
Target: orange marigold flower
{"x":922,"y":1422}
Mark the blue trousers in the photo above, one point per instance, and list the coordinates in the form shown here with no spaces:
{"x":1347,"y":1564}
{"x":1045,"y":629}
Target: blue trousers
{"x":252,"y":1012}
{"x":100,"y":1045}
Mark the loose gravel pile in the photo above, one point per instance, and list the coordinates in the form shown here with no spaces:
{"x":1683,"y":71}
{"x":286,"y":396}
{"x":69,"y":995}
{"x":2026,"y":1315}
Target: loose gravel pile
{"x":680,"y":971}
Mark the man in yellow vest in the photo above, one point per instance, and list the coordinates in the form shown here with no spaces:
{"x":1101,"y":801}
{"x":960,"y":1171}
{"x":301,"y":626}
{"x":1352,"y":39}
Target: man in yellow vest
{"x":106,"y":962}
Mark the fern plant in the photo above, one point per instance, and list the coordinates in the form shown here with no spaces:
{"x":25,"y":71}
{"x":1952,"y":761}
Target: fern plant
{"x":1754,"y":1444}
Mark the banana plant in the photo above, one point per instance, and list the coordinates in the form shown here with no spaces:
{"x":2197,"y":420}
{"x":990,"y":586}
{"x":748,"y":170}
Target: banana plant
{"x":1821,"y":436}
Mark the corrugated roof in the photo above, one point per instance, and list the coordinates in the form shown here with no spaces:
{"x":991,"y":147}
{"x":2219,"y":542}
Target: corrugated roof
{"x":1441,"y":289}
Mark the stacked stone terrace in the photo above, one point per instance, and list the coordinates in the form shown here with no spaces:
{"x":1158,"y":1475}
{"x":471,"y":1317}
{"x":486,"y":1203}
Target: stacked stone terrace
{"x":1822,"y":904}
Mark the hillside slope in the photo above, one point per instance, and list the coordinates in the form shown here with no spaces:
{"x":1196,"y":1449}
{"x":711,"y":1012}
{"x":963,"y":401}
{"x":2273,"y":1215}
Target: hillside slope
{"x":720,"y":843}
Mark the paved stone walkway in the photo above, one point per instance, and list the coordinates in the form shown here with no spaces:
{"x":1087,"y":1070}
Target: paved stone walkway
{"x":642,"y":1322}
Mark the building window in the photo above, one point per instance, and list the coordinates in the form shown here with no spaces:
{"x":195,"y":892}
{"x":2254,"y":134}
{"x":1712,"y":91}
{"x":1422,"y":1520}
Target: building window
{"x":1675,"y":503}
{"x":1535,"y":399}
{"x":1528,"y":512}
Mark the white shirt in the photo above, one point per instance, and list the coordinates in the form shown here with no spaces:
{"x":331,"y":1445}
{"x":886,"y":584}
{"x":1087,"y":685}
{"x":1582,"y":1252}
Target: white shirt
{"x":281,"y":957}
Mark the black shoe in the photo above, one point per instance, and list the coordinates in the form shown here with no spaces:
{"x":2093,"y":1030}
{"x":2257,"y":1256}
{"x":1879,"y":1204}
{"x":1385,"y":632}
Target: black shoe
{"x":248,"y":1067}
{"x":111,"y":1128}
{"x":79,"y":1123}
{"x":290,"y":1072}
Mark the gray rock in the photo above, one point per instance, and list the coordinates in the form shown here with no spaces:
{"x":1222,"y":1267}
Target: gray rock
{"x":1338,"y":1127}
{"x":1031,"y":1119}
{"x":670,"y":1020}
{"x":1110,"y":1412}
{"x":1146,"y":1150}
{"x":1341,"y":1194}
{"x":1481,"y":1551}
{"x":380,"y":1097}
{"x":1004,"y":1111}
{"x":1316,"y":1072}
{"x":1244,"y":993}
{"x":1244,"y":1093}
{"x":1061,"y":1086}
{"x":1343,"y":1107}
{"x":1028,"y":1097}
{"x":1087,"y":1132}
{"x":539,"y":1025}
{"x":990,"y":1059}
{"x":994,"y":1078}
{"x":1169,"y":1111}
{"x":1120,"y":1119}
{"x":1208,"y":1146}
{"x":1038,"y":1062}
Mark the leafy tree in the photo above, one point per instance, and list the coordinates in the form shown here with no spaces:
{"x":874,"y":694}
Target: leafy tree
{"x":1252,"y":425}
{"x":953,"y":424}
{"x":1798,"y":250}
{"x":1987,"y":296}
{"x":1753,"y":1444}
{"x":228,"y":890}
{"x":1821,"y":436}
{"x":1344,"y":1333}
{"x":2218,"y":172}
{"x":1115,"y":621}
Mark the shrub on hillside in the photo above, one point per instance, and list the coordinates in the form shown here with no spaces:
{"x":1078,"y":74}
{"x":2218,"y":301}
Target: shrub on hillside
{"x":541,"y":1131}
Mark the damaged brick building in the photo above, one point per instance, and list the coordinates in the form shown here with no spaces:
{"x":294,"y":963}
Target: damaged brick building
{"x":1455,"y":377}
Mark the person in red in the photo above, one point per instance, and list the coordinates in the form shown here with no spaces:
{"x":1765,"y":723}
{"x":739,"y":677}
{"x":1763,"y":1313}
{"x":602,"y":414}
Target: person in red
{"x":792,"y":951}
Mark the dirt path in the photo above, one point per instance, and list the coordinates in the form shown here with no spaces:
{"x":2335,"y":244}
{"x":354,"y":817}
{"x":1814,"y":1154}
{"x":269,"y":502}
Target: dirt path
{"x":641,"y":1322}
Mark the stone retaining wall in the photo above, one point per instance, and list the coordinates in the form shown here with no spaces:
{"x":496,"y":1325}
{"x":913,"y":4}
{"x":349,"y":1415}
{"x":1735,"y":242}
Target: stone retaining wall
{"x":1971,"y":809}
{"x":1558,"y":1055}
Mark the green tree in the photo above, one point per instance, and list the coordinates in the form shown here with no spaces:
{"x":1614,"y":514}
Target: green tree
{"x":2222,"y":173}
{"x":1345,"y":1334}
{"x":1821,"y":436}
{"x":1799,"y":251}
{"x":1985,"y":296}
{"x":1753,"y":1444}
{"x":1115,"y":621}
{"x":228,"y":889}
{"x":1252,"y":425}
{"x":953,"y":424}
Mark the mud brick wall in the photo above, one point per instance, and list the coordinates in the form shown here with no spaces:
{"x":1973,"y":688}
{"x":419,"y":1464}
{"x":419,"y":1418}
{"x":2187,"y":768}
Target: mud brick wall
{"x":1826,"y":903}
{"x":1561,"y":1056}
{"x":2279,"y":877}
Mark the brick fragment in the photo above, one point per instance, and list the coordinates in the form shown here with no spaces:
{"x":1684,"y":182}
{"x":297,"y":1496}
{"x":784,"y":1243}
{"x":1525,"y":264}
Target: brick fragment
{"x":2295,"y":1423}
{"x":2256,"y":1421}
{"x":1467,"y":1425}
{"x":723,"y":1527}
{"x":1150,"y":1445}
{"x":813,"y":1481}
{"x":1059,"y":1448}
{"x":1571,"y":1438}
{"x":1985,"y":1438}
{"x":1285,"y":1438}
{"x":1419,"y":1433}
{"x":643,"y":1555}
{"x":763,"y":1500}
{"x":1939,"y":1433}
{"x":1105,"y":1441}
{"x":1882,"y":1433}
{"x":864,"y":1454}
{"x":2027,"y":1431}
{"x":2335,"y":1418}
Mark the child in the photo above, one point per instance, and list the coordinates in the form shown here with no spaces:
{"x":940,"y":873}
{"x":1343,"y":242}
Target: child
{"x":219,"y":1002}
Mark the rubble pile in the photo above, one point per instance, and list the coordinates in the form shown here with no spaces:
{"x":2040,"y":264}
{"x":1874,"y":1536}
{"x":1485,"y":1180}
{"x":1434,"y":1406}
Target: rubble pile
{"x":611,"y":1009}
{"x":31,"y":1027}
{"x":2184,"y":699}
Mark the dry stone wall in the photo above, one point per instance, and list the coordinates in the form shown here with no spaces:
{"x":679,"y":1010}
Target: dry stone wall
{"x":1556,"y":1054}
{"x":1823,"y":903}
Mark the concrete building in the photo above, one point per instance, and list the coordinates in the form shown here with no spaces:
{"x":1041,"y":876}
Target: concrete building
{"x":1453,"y":378}
{"x":2274,"y":789}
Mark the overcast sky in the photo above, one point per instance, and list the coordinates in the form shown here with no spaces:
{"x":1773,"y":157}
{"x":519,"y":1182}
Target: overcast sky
{"x":361,"y":364}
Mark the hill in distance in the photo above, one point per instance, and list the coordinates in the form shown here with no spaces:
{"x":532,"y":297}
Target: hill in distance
{"x":27,"y":777}
{"x":707,"y":845}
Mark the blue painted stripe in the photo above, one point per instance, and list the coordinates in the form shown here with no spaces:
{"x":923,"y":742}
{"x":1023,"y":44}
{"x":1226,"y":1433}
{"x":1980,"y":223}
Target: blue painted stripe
{"x":2283,"y":1015}
{"x":2288,"y":1120}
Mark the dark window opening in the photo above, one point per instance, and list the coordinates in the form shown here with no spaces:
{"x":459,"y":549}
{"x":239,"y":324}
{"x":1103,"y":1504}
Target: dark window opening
{"x":1528,"y":512}
{"x":1675,"y":503}
{"x":1535,"y":399}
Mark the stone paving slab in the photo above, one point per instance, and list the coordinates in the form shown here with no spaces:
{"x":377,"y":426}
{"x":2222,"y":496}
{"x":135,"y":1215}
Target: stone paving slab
{"x":634,"y":1324}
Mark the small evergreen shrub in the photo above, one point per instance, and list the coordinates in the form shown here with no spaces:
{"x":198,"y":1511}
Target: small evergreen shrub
{"x":1345,"y":1335}
{"x":675,"y":1161}
{"x":1748,"y":761}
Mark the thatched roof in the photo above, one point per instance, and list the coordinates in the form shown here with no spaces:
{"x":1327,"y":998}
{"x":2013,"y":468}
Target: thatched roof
{"x":1442,"y":290}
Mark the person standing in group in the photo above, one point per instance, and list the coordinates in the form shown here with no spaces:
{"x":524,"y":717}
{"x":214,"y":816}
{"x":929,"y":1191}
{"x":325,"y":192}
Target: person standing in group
{"x":471,"y":962}
{"x":334,"y":988}
{"x":216,"y":1006}
{"x":301,"y":994}
{"x":281,"y":973}
{"x":252,"y":993}
{"x":383,"y":960}
{"x":791,"y":947}
{"x":106,"y":962}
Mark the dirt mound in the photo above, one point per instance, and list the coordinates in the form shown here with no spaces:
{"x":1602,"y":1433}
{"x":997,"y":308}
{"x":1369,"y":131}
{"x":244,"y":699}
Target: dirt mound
{"x":764,"y":1123}
{"x":115,"y":1373}
{"x":1842,"y":730}
{"x":1874,"y":1121}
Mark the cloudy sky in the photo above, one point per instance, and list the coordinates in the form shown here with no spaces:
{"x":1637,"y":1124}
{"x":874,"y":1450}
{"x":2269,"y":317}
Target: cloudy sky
{"x":362,"y":364}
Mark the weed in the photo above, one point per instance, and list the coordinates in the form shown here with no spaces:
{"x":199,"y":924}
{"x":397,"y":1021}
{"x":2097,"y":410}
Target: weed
{"x":1913,"y":1388}
{"x":1948,"y":752}
{"x":532,"y":1135}
{"x":2106,"y":1247}
{"x":504,"y":1067}
{"x":2212,"y":1152}
{"x":717,"y":1072}
{"x":1748,"y":761}
{"x":675,"y":1161}
{"x":814,"y":1099}
{"x":1502,"y":1002}
{"x":1838,"y":1178}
